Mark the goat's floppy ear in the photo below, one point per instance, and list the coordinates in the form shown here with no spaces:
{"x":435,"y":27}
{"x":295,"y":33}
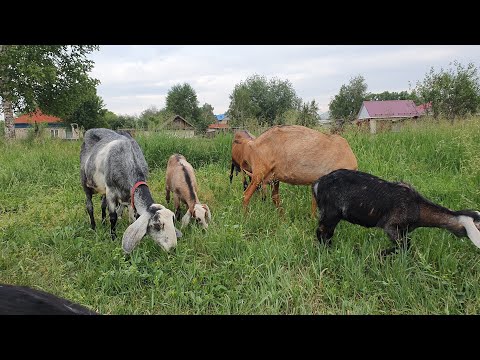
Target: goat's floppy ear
{"x":135,"y":232}
{"x":186,"y":218}
{"x":209,"y":214}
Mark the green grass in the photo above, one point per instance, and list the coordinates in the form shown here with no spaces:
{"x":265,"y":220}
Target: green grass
{"x":258,"y":263}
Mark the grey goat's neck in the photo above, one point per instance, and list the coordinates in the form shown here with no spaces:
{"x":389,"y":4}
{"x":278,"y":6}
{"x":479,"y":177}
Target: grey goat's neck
{"x":142,"y":199}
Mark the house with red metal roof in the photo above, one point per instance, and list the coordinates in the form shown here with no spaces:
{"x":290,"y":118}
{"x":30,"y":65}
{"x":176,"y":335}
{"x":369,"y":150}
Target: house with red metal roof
{"x":213,"y":129}
{"x":53,"y":126}
{"x":392,"y":111}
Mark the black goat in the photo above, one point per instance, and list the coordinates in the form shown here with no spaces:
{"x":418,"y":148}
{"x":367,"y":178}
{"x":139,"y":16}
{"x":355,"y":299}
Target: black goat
{"x":396,"y":207}
{"x":22,"y":300}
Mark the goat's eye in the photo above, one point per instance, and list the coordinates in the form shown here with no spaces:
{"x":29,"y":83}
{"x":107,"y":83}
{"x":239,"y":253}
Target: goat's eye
{"x":158,"y":226}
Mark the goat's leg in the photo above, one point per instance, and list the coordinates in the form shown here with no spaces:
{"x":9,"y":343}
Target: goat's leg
{"x":231,"y":172}
{"x":104,"y":209}
{"x":264,"y":190}
{"x":89,"y":205}
{"x":245,"y":182}
{"x":167,"y":194}
{"x":314,"y":206}
{"x":399,"y":237}
{"x":177,"y":204}
{"x":275,"y":194}
{"x":250,"y":190}
{"x":112,"y":210}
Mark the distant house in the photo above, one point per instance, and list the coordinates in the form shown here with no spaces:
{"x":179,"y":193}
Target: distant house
{"x":55,"y":127}
{"x":214,"y":129}
{"x":222,"y":119}
{"x":389,"y":111}
{"x":178,"y":126}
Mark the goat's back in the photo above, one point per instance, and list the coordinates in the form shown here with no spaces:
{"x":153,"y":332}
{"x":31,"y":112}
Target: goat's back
{"x":181,"y":176}
{"x":22,"y":300}
{"x":355,"y":194}
{"x":299,"y":155}
{"x":113,"y":159}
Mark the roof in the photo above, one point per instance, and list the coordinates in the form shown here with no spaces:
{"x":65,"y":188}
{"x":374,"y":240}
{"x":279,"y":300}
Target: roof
{"x":37,"y":117}
{"x":218,"y":126}
{"x":220,"y":117}
{"x":390,"y":108}
{"x":424,"y":107}
{"x":173,"y":118}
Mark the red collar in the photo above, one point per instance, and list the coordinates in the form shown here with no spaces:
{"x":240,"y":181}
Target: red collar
{"x":137,"y":184}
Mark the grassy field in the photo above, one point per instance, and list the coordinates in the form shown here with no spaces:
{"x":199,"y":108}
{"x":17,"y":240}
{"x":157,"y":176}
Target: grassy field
{"x":259,"y":263}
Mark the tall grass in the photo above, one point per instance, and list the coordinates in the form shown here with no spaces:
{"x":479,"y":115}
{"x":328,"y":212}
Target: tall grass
{"x":254,"y":263}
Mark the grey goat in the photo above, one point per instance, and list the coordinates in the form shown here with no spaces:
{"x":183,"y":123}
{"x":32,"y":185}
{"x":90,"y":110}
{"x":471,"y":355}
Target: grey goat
{"x":112,"y":164}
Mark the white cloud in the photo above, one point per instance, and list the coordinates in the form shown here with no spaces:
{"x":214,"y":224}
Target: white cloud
{"x":136,"y":77}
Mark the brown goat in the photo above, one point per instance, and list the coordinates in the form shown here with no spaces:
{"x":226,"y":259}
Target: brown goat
{"x":295,"y":155}
{"x":240,"y":139}
{"x":182,"y":181}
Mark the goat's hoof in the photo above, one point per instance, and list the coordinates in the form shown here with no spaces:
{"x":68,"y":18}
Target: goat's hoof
{"x":326,"y":243}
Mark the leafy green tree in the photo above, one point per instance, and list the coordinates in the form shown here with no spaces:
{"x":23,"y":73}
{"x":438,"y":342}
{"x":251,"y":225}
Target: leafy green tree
{"x":149,"y":117}
{"x":122,"y":122}
{"x":53,"y":78}
{"x":89,"y":114}
{"x":346,"y":104}
{"x":309,"y":114}
{"x":291,"y":117}
{"x":387,"y":95}
{"x":265,"y":100}
{"x":182,"y":100}
{"x":206,"y":118}
{"x":453,"y":93}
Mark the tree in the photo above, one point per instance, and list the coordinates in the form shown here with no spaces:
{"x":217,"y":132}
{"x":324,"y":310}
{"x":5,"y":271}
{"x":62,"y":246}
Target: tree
{"x":386,"y":95}
{"x":309,"y":114}
{"x":182,"y":100}
{"x":53,"y":78}
{"x":453,"y":93}
{"x":149,"y":118}
{"x":206,"y":118}
{"x":265,"y":100}
{"x":346,"y":104}
{"x":89,"y":114}
{"x":110,"y":118}
{"x":121,"y":121}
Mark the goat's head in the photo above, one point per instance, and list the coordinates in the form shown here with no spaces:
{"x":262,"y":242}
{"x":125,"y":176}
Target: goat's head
{"x":157,"y":222}
{"x":202,"y":214}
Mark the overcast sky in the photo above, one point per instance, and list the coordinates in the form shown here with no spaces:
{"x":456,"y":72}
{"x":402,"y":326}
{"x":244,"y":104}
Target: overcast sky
{"x":136,"y":77}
